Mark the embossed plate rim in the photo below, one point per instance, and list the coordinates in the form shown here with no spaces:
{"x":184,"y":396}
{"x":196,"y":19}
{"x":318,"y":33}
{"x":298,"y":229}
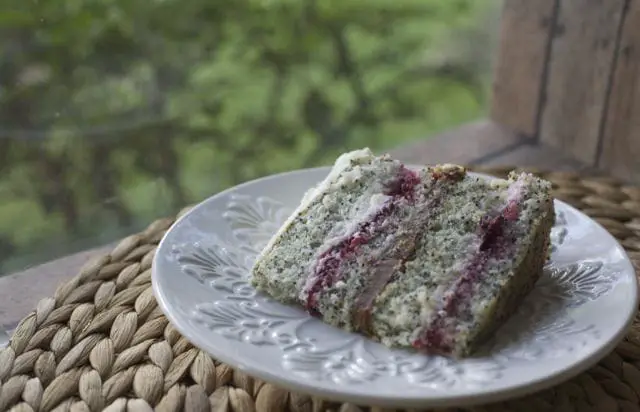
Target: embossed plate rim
{"x":358,"y":395}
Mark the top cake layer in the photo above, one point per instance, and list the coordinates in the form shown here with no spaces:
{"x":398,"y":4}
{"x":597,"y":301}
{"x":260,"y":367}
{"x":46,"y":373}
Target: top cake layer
{"x":413,"y":258}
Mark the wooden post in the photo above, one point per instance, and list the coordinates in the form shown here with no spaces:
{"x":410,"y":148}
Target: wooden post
{"x":580,"y":64}
{"x":620,"y":152}
{"x":567,"y":76}
{"x":522,"y":56}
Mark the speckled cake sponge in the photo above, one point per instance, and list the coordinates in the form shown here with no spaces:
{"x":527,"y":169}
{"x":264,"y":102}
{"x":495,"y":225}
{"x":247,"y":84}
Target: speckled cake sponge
{"x":434,"y":259}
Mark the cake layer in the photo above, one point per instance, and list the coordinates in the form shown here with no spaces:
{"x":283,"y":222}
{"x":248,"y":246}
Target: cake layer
{"x":433,"y":259}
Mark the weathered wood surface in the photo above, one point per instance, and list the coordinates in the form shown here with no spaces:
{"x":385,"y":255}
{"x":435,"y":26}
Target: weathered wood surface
{"x":519,"y":72}
{"x":463,"y":145}
{"x":621,"y":137}
{"x":581,"y":61}
{"x":533,"y":155}
{"x":579,"y":92}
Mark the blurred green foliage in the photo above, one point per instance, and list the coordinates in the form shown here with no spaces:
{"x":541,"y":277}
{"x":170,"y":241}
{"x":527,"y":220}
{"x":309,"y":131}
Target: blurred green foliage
{"x":116,"y":112}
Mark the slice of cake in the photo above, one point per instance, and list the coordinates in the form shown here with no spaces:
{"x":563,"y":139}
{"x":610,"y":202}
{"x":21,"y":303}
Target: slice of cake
{"x":434,"y":259}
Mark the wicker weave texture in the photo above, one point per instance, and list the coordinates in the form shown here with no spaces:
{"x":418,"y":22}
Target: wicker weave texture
{"x":102,"y":343}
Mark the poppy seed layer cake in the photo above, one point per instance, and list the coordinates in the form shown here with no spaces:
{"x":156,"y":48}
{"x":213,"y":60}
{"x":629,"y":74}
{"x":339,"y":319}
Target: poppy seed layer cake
{"x":434,"y":259}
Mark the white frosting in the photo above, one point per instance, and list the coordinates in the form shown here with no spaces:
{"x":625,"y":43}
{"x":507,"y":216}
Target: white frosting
{"x":351,"y":176}
{"x":369,"y":206}
{"x":516,"y":190}
{"x":378,"y":200}
{"x":344,"y":160}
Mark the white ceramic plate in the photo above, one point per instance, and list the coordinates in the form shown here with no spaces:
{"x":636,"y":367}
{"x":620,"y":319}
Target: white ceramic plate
{"x":578,"y":311}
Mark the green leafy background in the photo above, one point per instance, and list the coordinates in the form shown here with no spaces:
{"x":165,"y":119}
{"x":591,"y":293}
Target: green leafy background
{"x":116,"y":112}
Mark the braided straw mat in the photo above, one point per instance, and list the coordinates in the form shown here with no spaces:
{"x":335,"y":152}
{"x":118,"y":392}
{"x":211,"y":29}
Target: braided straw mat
{"x":102,"y":343}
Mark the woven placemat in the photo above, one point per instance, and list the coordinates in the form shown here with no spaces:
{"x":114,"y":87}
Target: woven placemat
{"x":101,"y":342}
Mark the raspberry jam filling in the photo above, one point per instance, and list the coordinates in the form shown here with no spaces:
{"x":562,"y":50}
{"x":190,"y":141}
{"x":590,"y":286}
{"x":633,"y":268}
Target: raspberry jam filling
{"x":438,"y":335}
{"x":327,"y":270}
